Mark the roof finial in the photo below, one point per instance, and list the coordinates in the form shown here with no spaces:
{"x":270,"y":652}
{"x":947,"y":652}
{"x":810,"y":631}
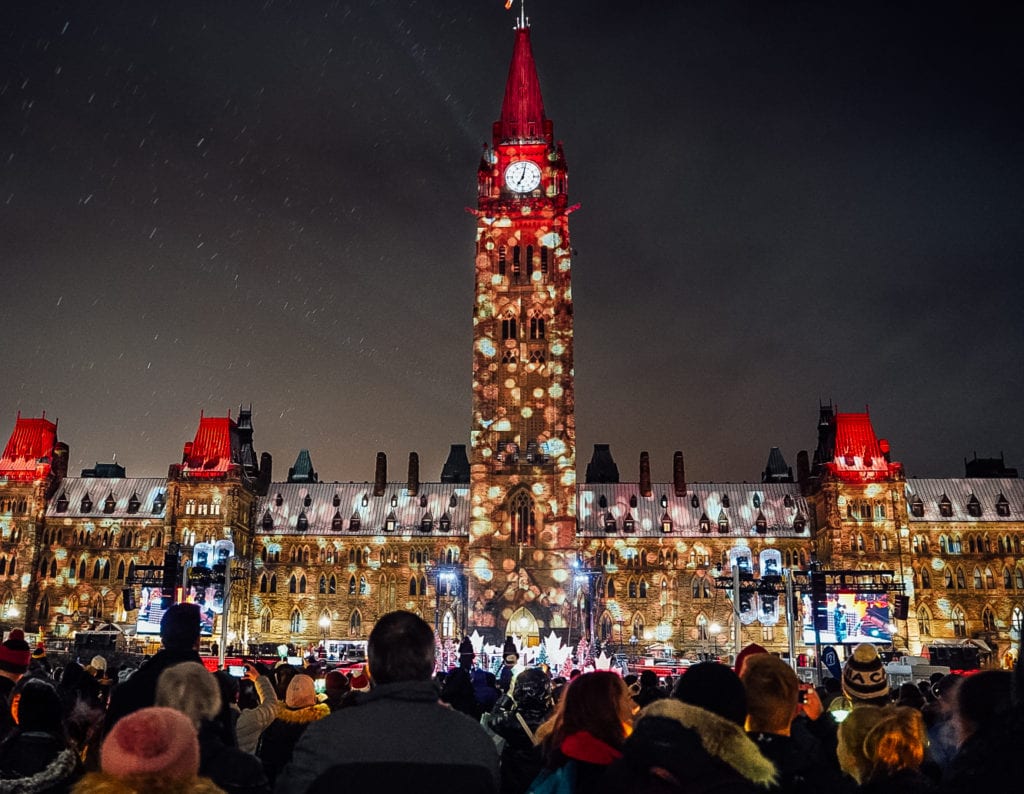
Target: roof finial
{"x":523,"y":21}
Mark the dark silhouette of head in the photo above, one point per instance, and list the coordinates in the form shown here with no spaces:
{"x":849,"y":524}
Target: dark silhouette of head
{"x":400,"y":648}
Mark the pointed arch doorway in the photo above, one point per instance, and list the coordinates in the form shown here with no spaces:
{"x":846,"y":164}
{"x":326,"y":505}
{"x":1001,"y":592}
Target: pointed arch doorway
{"x":523,"y":625}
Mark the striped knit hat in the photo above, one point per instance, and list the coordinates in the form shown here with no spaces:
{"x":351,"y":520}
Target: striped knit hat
{"x":864,"y":679}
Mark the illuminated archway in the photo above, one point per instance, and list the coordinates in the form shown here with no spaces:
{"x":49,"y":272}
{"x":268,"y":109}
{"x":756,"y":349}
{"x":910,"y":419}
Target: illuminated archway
{"x":524,"y":625}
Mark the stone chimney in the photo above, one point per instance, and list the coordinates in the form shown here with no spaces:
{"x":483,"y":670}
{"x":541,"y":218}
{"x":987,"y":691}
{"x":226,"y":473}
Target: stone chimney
{"x":803,"y":470}
{"x":380,"y":475}
{"x":679,"y":473}
{"x":414,"y":474}
{"x":645,"y":474}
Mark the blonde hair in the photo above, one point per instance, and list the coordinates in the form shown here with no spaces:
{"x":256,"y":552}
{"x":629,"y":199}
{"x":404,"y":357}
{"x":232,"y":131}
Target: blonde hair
{"x":191,"y":689}
{"x":852,"y":733}
{"x":773,"y":691}
{"x":896,"y":742}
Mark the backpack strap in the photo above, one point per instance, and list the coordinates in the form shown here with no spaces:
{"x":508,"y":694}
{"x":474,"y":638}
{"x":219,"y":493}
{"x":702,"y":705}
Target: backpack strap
{"x":533,"y":738}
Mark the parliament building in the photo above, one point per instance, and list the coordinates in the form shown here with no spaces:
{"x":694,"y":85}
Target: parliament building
{"x":506,"y":541}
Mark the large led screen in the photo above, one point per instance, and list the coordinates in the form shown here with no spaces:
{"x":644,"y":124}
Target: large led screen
{"x":852,"y":618}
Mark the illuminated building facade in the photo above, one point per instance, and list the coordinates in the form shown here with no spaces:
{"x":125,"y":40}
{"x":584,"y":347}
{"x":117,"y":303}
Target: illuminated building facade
{"x":507,"y":542}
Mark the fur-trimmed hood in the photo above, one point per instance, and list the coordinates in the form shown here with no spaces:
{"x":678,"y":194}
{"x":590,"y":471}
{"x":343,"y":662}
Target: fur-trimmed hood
{"x":61,"y":768}
{"x":304,"y":715}
{"x":720,"y":738}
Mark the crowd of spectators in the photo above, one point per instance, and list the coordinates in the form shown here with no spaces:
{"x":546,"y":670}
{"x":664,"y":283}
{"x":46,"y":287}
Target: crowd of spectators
{"x":396,"y":725}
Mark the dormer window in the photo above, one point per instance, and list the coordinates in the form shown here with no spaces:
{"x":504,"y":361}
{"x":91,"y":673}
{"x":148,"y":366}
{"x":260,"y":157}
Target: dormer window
{"x":134,"y":503}
{"x":757,"y":501}
{"x":974,"y":507}
{"x":366,"y":499}
{"x":666,"y":522}
{"x":159,"y":503}
{"x":787,"y":502}
{"x":423,"y":500}
{"x":391,"y":522}
{"x":62,"y":502}
{"x":445,"y":523}
{"x":109,"y":504}
{"x":602,"y":501}
{"x":336,"y":501}
{"x":268,"y":521}
{"x":723,"y":523}
{"x":394,"y":500}
{"x":629,"y":523}
{"x":427,"y":522}
{"x":302,"y":523}
{"x":695,"y":502}
{"x":337,"y":522}
{"x":1002,"y":506}
{"x":453,"y":501}
{"x":86,"y":506}
{"x":725,"y":500}
{"x":761,"y":523}
{"x":799,"y":523}
{"x":307,"y":501}
{"x":945,"y":506}
{"x":278,"y":500}
{"x":705,"y":523}
{"x":609,"y":523}
{"x":664,"y":501}
{"x":632,"y":500}
{"x":917,"y":507}
{"x":355,"y":522}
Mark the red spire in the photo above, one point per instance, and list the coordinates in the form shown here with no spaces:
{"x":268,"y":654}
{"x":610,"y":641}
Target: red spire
{"x":522,"y":110}
{"x":29,"y":451}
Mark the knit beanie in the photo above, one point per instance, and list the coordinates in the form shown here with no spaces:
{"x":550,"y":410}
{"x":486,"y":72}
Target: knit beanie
{"x":301,"y":692}
{"x":152,"y":741}
{"x":179,"y":626}
{"x":864,"y":679}
{"x":39,"y":652}
{"x":714,"y":687}
{"x":39,"y":707}
{"x":335,"y":683}
{"x":741,"y":657}
{"x":509,"y":652}
{"x":15,"y":653}
{"x":99,"y":664}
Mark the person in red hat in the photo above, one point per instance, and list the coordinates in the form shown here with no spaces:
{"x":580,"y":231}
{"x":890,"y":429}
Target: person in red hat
{"x":15,"y":656}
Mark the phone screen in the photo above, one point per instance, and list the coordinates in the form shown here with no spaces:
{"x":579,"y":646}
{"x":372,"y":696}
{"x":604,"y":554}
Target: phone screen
{"x":320,"y":685}
{"x":236,"y":670}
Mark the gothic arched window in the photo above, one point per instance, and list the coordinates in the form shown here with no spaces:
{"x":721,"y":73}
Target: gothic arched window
{"x":522,"y":519}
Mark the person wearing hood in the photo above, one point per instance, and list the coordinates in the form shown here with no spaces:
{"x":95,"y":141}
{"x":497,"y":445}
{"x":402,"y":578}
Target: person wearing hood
{"x":516,"y":720}
{"x":458,"y":691}
{"x":299,"y":710}
{"x":36,"y":757}
{"x":15,"y":656}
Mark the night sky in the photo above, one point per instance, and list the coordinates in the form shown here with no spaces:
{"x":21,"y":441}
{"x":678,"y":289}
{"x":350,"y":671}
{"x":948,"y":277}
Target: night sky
{"x":211,"y":203}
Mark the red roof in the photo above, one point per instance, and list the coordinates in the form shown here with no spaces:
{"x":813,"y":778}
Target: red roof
{"x":29,"y":451}
{"x":522,"y":110}
{"x":858,"y":451}
{"x":210,"y":451}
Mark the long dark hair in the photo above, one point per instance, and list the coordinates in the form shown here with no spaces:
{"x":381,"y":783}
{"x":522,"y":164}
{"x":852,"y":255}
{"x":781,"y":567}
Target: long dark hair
{"x":597,"y":703}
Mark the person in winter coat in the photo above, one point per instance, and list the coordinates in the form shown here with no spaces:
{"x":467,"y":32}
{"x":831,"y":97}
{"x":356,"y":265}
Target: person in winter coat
{"x":516,"y":720}
{"x":252,"y":722}
{"x":883,"y":749}
{"x":989,"y":720}
{"x":397,"y":736}
{"x":179,"y":632}
{"x":458,"y":691}
{"x":586,"y":733}
{"x":298,"y":711}
{"x":14,"y":660}
{"x":36,"y":757}
{"x":192,"y":690}
{"x":649,"y":690}
{"x":773,"y":703}
{"x":679,"y":747}
{"x":150,"y":751}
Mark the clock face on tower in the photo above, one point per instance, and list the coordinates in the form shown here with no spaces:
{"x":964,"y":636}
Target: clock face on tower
{"x":522,"y":176}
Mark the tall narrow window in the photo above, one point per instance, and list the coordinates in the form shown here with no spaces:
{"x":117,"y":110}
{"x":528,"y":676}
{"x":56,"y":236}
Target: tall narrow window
{"x":529,"y":261}
{"x":502,"y":256}
{"x":544,"y":260}
{"x":522,"y":518}
{"x":537,"y":328}
{"x":516,"y":262}
{"x":509,"y":326}
{"x":265,"y":616}
{"x":295,"y":624}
